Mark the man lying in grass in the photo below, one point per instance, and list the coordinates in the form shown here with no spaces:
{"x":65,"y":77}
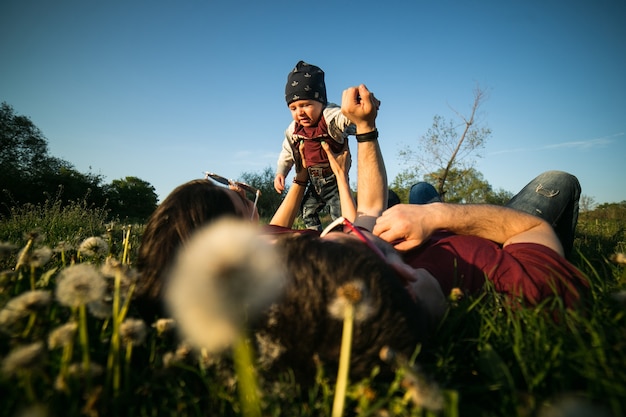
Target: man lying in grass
{"x":403,"y":299}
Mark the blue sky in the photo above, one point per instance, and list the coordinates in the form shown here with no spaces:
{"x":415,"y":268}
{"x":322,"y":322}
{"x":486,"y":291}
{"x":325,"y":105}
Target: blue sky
{"x":164,"y":90}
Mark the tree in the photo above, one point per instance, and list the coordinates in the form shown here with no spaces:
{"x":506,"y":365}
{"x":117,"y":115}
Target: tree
{"x":465,"y":186}
{"x":587,"y":203}
{"x":448,"y":145}
{"x":23,"y":148}
{"x":132,"y":199}
{"x":28,"y":174}
{"x":499,"y":197}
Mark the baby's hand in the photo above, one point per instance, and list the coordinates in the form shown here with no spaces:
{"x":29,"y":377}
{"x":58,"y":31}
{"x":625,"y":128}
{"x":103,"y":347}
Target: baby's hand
{"x":279,"y":183}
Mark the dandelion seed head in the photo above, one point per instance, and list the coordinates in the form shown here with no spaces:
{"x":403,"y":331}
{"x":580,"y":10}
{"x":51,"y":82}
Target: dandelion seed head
{"x":179,"y":355}
{"x":37,"y":410}
{"x":40,"y":256}
{"x":25,"y":357}
{"x":9,"y":317}
{"x":78,"y":370}
{"x":30,"y":300}
{"x":269,"y":349}
{"x":572,"y":405}
{"x":111,"y":268}
{"x":423,"y":393}
{"x":169,"y":359}
{"x":6,"y":249}
{"x":80,"y":284}
{"x":351,"y":293}
{"x":164,"y":325}
{"x":63,"y":246}
{"x":618,"y":258}
{"x":100,"y":309}
{"x":62,"y":335}
{"x":94,"y":246}
{"x":133,"y":331}
{"x":226,"y":274}
{"x":35,"y":235}
{"x":23,"y":304}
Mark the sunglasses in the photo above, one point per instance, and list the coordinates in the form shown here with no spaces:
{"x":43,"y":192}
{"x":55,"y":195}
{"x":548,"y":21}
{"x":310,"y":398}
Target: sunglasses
{"x":237,"y":184}
{"x":349,"y":227}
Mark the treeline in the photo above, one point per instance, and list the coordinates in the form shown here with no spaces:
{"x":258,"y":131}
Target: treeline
{"x":30,"y":175}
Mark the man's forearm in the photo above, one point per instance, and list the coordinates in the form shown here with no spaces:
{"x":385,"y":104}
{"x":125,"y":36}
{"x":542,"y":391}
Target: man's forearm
{"x":502,"y":225}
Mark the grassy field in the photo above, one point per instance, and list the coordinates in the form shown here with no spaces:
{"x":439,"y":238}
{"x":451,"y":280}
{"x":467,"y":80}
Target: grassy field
{"x":86,"y":354}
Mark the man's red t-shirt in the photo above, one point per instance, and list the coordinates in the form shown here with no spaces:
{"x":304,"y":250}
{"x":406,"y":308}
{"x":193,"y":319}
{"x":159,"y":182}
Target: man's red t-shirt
{"x":527,"y":270}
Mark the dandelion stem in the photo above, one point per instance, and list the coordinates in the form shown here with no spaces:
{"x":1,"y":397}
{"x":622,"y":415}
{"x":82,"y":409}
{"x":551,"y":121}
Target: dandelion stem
{"x":27,"y":382}
{"x":344,"y":361}
{"x":24,"y":254}
{"x":125,"y":259}
{"x":84,"y":340}
{"x":32,"y":277}
{"x":129,"y":354}
{"x":248,"y":393}
{"x":113,"y":362}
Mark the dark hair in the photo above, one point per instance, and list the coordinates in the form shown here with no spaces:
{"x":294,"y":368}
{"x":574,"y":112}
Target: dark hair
{"x":301,"y":324}
{"x":185,"y":209}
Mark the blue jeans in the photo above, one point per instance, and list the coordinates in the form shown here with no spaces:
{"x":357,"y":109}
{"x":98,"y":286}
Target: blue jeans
{"x":553,"y":196}
{"x":321,"y":192}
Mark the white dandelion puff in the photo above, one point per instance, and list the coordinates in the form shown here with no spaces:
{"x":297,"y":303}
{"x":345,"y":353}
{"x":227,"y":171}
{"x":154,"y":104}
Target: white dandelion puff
{"x":226,"y":274}
{"x":30,"y":301}
{"x":40,"y":256}
{"x":178,"y":356}
{"x":133,"y":331}
{"x":352,"y":293}
{"x":79,"y":370}
{"x":37,"y":410}
{"x":270,"y":350}
{"x":94,"y":246}
{"x":116,"y":270}
{"x":112,"y":267}
{"x":80,"y":284}
{"x":35,"y":236}
{"x":164,"y":326}
{"x":420,"y":389}
{"x":63,"y":246}
{"x":6,"y":249}
{"x":618,"y":258}
{"x":9,"y":317}
{"x":169,"y":359}
{"x":24,"y":357}
{"x":100,"y":309}
{"x":20,"y":306}
{"x":62,"y":335}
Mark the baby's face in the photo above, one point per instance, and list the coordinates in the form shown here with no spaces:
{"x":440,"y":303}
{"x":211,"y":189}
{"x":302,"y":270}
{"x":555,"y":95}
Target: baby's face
{"x":306,"y":112}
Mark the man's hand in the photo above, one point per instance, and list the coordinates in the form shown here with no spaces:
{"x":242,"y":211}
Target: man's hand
{"x":407,"y":224}
{"x":360,"y":106}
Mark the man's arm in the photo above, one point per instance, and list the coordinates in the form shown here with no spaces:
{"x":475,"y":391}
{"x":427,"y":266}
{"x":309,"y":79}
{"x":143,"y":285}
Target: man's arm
{"x":413,"y":224}
{"x":361,"y":107}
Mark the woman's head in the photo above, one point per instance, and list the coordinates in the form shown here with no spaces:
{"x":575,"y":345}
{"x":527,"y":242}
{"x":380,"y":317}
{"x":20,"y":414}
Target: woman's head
{"x":304,"y":322}
{"x":183,"y":211}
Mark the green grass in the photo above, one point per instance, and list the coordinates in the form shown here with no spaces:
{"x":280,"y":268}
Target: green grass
{"x":487,"y":359}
